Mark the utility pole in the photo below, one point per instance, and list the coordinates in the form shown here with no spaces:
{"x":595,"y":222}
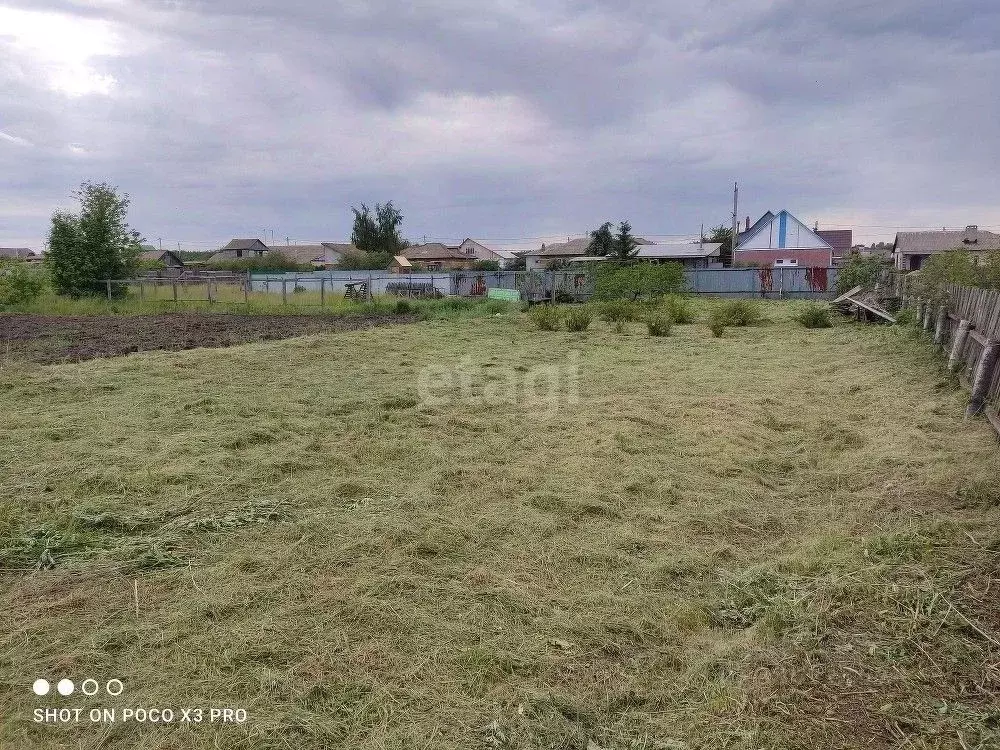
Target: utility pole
{"x":160,"y":240}
{"x":736,"y":227}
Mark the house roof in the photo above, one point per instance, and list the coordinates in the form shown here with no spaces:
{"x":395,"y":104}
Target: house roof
{"x":756,"y":225}
{"x":924,"y":243}
{"x":340,"y":247}
{"x":155,"y":255}
{"x":572,"y":247}
{"x":402,"y":261}
{"x":244,"y":244}
{"x":434,"y":251}
{"x":16,"y":252}
{"x":841,"y":240}
{"x":671,"y":251}
{"x":782,"y":231}
{"x":302,"y":253}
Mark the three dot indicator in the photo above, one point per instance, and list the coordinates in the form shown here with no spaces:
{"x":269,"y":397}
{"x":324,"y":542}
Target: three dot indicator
{"x":65,"y":687}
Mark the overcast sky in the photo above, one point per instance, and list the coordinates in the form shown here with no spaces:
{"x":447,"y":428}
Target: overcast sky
{"x":509,"y":120}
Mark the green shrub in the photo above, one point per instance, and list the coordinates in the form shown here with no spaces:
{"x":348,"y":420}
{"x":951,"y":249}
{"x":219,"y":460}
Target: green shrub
{"x":906,"y":316}
{"x":659,"y":323}
{"x":740,"y":312}
{"x":717,"y":322}
{"x":860,"y":271}
{"x":578,"y":319}
{"x":546,"y":317}
{"x":814,"y":316}
{"x":635,"y":280}
{"x":19,"y":284}
{"x":273,"y":262}
{"x":402,"y":307}
{"x":618,"y":310}
{"x":679,"y":308}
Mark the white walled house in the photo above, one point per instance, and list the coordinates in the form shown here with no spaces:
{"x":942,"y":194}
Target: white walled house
{"x":781,"y":240}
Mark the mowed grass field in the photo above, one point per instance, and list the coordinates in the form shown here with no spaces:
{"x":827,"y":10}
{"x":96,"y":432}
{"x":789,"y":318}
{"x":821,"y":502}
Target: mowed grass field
{"x":781,"y":538}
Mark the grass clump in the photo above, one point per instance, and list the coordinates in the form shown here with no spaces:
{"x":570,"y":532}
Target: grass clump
{"x":659,"y":323}
{"x":906,"y":317}
{"x":546,"y":317}
{"x":740,"y":312}
{"x":578,"y":319}
{"x":717,"y":322}
{"x":814,"y":316}
{"x":680,"y":309}
{"x":618,"y":311}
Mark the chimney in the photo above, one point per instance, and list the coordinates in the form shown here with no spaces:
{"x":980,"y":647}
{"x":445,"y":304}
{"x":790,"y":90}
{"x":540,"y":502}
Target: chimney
{"x":972,"y":228}
{"x":748,"y":225}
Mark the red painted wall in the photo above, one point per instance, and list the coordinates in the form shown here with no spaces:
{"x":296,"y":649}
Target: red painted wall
{"x":806,"y":258}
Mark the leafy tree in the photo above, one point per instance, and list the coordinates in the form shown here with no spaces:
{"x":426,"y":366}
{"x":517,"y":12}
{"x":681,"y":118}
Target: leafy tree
{"x":378,"y":232}
{"x":860,"y":271}
{"x":625,"y":245}
{"x":362,"y":261}
{"x":636,"y":280}
{"x":97,"y":244}
{"x":724,"y":236}
{"x":602,"y":240}
{"x":486,"y":265}
{"x":955,"y":267}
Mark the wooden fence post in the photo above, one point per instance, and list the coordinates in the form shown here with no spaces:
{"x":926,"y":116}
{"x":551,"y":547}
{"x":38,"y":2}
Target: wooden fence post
{"x":322,"y":292}
{"x":928,"y":315}
{"x":942,"y":317}
{"x":174,"y":285}
{"x":109,"y":290}
{"x":982,"y":379}
{"x":958,"y":345}
{"x":284,"y":291}
{"x":210,"y":300}
{"x":246,"y":290}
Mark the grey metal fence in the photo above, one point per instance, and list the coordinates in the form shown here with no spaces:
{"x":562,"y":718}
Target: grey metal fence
{"x":768,"y":283}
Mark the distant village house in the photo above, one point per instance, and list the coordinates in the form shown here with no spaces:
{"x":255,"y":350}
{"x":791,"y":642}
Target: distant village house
{"x":781,"y":240}
{"x":911,"y":249}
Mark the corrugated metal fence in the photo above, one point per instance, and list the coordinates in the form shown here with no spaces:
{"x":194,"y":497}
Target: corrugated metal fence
{"x":770,"y":283}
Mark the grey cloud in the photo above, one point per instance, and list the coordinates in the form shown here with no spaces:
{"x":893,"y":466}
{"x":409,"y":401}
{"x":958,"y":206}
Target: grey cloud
{"x":513,"y":119}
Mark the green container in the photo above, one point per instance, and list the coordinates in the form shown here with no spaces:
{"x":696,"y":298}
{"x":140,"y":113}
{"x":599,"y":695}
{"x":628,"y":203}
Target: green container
{"x":510,"y":295}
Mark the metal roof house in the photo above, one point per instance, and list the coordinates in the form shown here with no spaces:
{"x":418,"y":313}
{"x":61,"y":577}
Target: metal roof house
{"x":240,"y":248}
{"x":17,"y":253}
{"x":436,"y":256}
{"x":689,"y":254}
{"x":166,"y":257}
{"x":911,"y":249}
{"x":546,"y":255}
{"x":782,"y":240}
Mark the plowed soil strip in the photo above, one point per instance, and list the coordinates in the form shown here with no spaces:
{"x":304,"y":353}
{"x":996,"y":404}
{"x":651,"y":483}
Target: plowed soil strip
{"x":49,"y":339}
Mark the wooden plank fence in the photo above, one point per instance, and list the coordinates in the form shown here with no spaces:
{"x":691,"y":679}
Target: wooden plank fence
{"x":965,"y":324}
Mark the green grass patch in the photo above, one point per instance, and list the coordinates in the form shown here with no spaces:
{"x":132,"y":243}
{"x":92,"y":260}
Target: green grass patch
{"x":462,"y":533}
